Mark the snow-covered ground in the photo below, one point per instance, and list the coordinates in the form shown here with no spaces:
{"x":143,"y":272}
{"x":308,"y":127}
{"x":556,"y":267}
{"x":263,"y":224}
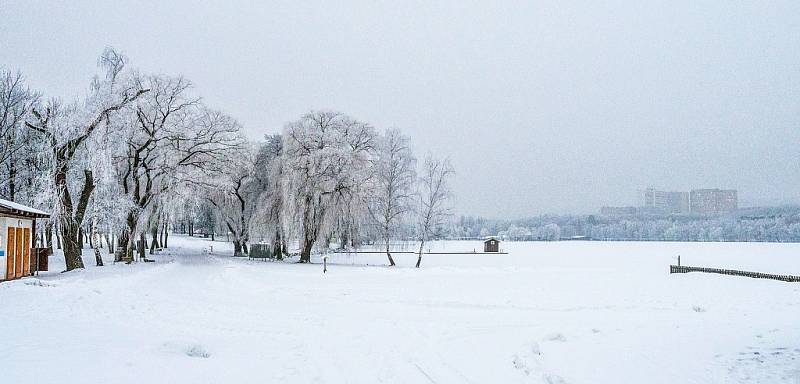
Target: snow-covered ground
{"x":563,"y":312}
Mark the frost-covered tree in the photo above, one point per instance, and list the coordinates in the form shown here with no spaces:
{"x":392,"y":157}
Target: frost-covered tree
{"x":169,"y":137}
{"x":392,"y":195}
{"x":326,"y":158}
{"x":269,"y":177}
{"x":551,"y":232}
{"x":434,"y":199}
{"x":236,"y":193}
{"x":18,"y":146}
{"x":67,"y":130}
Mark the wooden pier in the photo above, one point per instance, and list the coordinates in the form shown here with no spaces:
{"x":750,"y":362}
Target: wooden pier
{"x":733,"y":272}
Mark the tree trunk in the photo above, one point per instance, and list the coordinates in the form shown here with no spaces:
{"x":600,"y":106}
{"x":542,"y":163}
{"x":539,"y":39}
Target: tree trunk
{"x":244,"y":247}
{"x":98,"y":259}
{"x":125,"y":242}
{"x":277,"y":249}
{"x":389,"y":255}
{"x":71,"y":220}
{"x":419,"y":255}
{"x":166,"y":237}
{"x":161,"y":230}
{"x":305,"y":253}
{"x":343,"y":240}
{"x":58,"y":237}
{"x":123,"y":249}
{"x":72,"y":251}
{"x":48,"y":234}
{"x":80,"y":237}
{"x":12,"y":177}
{"x":109,"y":243}
{"x":154,"y":243}
{"x":96,"y":242}
{"x":237,"y":248}
{"x":142,"y":245}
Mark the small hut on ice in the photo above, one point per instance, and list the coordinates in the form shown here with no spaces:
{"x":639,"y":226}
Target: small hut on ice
{"x":491,"y":244}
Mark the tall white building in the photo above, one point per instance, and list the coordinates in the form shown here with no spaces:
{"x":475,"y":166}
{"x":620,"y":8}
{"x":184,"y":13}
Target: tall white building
{"x":665,"y":201}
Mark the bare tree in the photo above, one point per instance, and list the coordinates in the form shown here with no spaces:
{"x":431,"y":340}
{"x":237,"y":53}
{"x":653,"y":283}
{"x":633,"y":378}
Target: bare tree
{"x":434,"y":198}
{"x":16,"y":101}
{"x":394,"y":180}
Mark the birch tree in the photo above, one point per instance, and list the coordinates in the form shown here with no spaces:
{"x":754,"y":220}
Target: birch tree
{"x":394,"y":178}
{"x":434,"y":200}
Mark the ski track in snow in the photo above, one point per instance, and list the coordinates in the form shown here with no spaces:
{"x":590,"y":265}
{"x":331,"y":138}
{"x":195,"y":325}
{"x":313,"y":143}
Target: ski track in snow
{"x":554,"y":313}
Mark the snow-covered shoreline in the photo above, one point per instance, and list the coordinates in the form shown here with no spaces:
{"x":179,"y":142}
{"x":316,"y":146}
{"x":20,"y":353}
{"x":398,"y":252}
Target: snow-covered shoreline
{"x":566,"y":312}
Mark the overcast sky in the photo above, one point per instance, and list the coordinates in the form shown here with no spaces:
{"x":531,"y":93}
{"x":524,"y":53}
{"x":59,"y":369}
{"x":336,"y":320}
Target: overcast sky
{"x":544,"y":107}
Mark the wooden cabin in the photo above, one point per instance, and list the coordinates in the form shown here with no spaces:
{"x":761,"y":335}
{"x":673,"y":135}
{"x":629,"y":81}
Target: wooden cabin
{"x":17,"y":238}
{"x":491,"y":245}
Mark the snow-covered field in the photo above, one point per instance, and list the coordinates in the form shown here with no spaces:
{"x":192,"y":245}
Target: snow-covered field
{"x":563,"y":312}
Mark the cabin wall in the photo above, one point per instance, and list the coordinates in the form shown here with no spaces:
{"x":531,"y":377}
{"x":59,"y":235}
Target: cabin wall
{"x":5,"y":223}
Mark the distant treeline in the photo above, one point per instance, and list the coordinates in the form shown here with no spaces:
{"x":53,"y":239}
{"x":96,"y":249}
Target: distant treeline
{"x":770,"y":224}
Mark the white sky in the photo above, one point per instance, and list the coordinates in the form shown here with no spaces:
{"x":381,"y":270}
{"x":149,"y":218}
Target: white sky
{"x":544,"y":107}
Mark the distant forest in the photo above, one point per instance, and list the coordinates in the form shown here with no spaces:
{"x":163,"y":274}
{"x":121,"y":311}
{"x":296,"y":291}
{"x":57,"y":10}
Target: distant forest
{"x":772,"y":224}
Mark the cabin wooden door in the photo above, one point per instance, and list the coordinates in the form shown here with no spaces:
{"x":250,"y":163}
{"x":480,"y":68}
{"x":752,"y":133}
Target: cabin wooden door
{"x":11,"y":247}
{"x":20,"y":253}
{"x":26,"y":252}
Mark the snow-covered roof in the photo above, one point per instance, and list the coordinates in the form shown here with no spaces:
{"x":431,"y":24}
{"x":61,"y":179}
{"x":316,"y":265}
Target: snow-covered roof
{"x":11,"y":207}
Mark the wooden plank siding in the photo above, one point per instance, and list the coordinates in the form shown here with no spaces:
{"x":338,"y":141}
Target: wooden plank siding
{"x":11,"y":248}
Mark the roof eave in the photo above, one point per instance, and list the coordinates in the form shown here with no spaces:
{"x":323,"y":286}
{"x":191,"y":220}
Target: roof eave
{"x":24,"y":214}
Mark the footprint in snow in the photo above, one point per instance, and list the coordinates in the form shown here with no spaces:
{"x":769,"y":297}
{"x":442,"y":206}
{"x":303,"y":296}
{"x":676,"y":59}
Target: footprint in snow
{"x":698,"y":309}
{"x":197,"y":350}
{"x":536,"y":349}
{"x":532,"y":361}
{"x":519,"y":363}
{"x":553,"y":379}
{"x":190,"y":349}
{"x":39,"y":283}
{"x":556,"y":337}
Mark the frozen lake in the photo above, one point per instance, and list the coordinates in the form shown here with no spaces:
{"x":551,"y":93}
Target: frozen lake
{"x":561,"y":312}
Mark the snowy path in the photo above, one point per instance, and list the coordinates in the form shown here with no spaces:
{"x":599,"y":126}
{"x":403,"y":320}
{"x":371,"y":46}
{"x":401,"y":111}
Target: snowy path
{"x":547,"y":313}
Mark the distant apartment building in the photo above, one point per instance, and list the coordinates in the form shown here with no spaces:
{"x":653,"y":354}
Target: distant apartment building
{"x":656,"y":201}
{"x":618,"y":211}
{"x":713,"y":201}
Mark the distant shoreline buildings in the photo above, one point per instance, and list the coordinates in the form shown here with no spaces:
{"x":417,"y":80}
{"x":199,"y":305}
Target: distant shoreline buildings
{"x":714,"y":201}
{"x":708,"y":201}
